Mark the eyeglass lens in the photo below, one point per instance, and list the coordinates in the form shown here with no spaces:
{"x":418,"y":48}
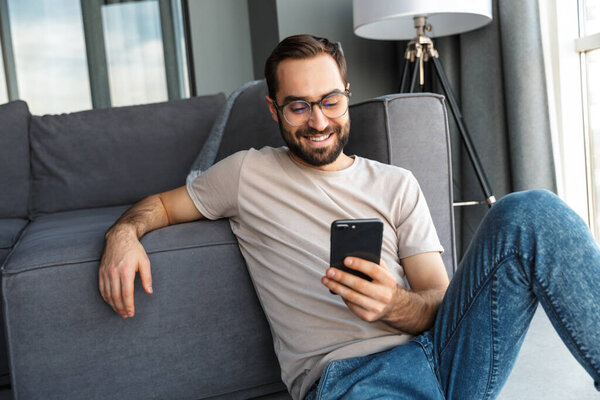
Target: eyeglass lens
{"x":333,"y":106}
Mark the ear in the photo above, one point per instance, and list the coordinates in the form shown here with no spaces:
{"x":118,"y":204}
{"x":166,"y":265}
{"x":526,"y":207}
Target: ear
{"x":272,"y":109}
{"x":348,"y":86}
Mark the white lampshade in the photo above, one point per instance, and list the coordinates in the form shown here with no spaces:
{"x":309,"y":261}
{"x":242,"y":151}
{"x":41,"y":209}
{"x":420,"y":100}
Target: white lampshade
{"x":393,"y":19}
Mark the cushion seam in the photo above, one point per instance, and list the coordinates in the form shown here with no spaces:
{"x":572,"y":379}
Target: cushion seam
{"x":16,"y":238}
{"x":90,"y":259}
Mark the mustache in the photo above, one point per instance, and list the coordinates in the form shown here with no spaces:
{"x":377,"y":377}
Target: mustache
{"x":313,"y":132}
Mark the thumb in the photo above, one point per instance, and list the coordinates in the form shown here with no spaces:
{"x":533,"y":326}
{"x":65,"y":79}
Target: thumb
{"x":146,"y":275}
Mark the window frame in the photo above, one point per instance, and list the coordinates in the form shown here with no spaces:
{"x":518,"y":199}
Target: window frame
{"x":175,"y":59}
{"x":564,"y":58}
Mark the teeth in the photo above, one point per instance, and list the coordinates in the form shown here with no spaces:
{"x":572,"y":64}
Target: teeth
{"x":319,"y":138}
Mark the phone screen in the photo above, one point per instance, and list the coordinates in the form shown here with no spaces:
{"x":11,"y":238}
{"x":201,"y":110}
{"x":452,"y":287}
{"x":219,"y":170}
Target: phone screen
{"x":355,"y":238}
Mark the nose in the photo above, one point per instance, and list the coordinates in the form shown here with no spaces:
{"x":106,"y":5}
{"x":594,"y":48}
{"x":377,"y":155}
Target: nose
{"x":318,"y":120}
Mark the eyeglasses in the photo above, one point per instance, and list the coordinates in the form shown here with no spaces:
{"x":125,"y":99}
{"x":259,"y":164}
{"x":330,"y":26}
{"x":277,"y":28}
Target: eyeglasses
{"x":298,"y":112}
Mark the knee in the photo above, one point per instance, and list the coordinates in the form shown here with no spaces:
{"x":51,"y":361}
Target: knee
{"x":529,"y":205}
{"x":529,"y":198}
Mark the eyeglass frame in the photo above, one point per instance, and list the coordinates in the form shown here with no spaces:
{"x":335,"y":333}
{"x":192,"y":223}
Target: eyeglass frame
{"x":311,"y":104}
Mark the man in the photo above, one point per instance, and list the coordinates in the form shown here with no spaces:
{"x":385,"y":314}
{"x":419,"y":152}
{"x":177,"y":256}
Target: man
{"x":281,"y":202}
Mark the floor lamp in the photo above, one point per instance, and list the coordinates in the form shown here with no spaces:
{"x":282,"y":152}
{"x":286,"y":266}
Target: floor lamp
{"x":401,"y":20}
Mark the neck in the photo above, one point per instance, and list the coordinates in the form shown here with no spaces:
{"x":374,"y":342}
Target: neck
{"x":340,"y":163}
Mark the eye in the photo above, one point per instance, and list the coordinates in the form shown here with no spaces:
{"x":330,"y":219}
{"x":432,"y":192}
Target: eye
{"x":332,"y":100}
{"x":298,"y":107}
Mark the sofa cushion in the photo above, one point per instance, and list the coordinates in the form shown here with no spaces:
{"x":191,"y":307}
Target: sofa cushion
{"x":249,"y":123}
{"x":14,"y":159}
{"x":10,"y":230}
{"x":202,"y":334}
{"x":116,"y":156}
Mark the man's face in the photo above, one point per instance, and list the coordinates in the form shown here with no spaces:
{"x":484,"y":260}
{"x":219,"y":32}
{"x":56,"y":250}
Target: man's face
{"x":320,"y":140}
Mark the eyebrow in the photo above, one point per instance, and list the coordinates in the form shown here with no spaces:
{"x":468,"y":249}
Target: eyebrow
{"x":289,"y":99}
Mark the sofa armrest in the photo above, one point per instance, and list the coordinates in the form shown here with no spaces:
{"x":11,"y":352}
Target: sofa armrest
{"x":411,"y":131}
{"x":202,"y":334}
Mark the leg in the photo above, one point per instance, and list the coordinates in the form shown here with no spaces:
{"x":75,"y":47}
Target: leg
{"x":400,"y":373}
{"x":530,"y":248}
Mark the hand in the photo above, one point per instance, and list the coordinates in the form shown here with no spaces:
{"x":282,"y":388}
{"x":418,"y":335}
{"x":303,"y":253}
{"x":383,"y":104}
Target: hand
{"x":370,"y":301}
{"x":123,"y":256}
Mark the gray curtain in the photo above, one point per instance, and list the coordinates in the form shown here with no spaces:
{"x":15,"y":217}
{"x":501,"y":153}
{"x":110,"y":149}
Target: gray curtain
{"x":497,"y":74}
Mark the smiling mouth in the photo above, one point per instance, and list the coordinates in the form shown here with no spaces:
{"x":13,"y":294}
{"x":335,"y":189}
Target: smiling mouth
{"x":319,"y":138}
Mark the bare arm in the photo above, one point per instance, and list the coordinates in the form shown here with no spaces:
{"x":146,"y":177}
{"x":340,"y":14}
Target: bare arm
{"x":412,"y":311}
{"x":124,"y":255}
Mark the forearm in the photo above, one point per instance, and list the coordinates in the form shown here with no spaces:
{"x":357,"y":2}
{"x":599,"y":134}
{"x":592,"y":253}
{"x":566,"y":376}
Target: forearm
{"x":414,"y":312}
{"x":145,"y":216}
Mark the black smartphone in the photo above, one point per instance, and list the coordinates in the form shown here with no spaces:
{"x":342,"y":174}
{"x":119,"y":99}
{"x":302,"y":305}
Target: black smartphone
{"x":355,"y":238}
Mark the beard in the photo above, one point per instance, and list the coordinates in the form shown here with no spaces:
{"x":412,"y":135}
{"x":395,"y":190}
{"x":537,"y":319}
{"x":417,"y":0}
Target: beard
{"x":320,"y":156}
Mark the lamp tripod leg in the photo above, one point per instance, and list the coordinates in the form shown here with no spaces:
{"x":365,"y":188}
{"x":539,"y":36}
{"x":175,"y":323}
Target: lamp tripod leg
{"x":415,"y":72}
{"x":464,"y":134}
{"x":404,"y":74}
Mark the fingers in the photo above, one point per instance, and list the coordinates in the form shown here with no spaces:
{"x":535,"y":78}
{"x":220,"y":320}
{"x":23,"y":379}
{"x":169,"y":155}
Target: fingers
{"x":146,"y":275}
{"x":126,"y":281}
{"x":376,"y":272}
{"x":116,"y":282}
{"x":368,"y":300}
{"x":104,"y":284}
{"x":101,"y":285}
{"x":362,"y":305}
{"x":115,"y":293}
{"x":380,"y":288}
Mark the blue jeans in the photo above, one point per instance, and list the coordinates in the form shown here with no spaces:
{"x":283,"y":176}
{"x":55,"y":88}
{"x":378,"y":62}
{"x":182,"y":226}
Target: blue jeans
{"x":530,"y":248}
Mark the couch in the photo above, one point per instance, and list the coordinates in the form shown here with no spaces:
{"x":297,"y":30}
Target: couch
{"x":65,"y":179}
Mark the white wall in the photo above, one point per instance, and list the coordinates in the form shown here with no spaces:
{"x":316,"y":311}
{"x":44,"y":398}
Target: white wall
{"x":372,"y":64}
{"x":222,"y":49}
{"x":223,"y":46}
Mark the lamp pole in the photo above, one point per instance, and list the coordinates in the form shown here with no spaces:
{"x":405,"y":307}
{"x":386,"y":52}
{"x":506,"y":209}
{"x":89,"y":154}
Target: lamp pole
{"x":420,"y":50}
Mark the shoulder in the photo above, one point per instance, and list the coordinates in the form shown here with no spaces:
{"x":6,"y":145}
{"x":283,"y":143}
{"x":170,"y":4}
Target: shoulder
{"x":265,"y":157}
{"x":385,"y":170}
{"x":270,"y":152}
{"x":252,"y":155}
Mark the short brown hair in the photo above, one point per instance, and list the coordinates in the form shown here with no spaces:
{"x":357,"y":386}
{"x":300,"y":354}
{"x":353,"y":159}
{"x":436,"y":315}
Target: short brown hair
{"x":298,"y":47}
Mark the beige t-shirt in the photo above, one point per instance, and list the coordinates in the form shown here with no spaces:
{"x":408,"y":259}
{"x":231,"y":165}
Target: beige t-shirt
{"x":281,"y":212}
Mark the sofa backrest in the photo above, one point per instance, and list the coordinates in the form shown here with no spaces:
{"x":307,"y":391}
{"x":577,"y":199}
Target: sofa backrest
{"x":14,"y":159}
{"x":407,"y":130}
{"x":116,"y":156}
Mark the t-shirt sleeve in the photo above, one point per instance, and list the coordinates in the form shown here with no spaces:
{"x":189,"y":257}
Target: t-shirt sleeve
{"x":215,"y":191}
{"x":416,"y":232}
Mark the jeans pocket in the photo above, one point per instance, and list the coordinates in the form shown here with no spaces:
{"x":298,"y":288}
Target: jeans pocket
{"x":424,"y":340}
{"x":322,"y":387}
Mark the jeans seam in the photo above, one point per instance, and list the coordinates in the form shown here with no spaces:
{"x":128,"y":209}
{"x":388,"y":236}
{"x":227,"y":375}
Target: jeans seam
{"x":494,"y":318}
{"x":575,"y":344}
{"x":501,"y":260}
{"x":432,"y":365}
{"x":324,"y":376}
{"x":493,"y":342}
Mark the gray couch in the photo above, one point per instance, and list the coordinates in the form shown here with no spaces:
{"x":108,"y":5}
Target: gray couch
{"x":64,"y":179}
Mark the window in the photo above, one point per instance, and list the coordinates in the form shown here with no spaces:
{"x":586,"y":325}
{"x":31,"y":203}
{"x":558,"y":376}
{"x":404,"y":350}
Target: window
{"x":49,"y":54}
{"x":134,"y":51}
{"x":70,"y":55}
{"x":571,"y":39}
{"x":3,"y":88}
{"x":589,"y":47}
